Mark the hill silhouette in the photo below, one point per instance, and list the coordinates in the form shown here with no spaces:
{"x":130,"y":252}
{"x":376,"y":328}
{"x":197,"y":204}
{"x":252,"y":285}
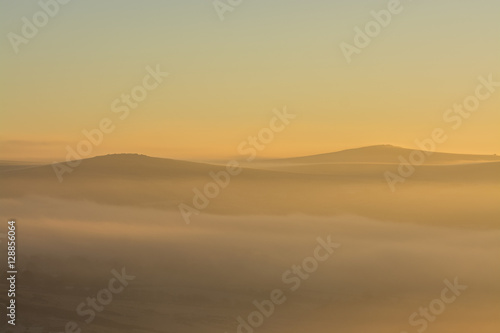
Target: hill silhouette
{"x":346,"y":182}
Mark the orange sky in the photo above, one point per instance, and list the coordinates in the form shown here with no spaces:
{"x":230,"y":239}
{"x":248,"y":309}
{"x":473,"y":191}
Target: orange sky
{"x":226,"y":77}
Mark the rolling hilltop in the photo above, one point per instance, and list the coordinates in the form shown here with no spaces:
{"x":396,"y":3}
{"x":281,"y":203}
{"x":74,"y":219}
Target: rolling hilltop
{"x":386,"y":154}
{"x":346,"y":182}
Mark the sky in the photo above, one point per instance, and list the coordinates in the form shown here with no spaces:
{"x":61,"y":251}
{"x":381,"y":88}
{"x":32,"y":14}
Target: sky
{"x":225,"y":77}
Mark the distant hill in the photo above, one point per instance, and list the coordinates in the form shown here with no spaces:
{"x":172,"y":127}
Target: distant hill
{"x":346,"y":182}
{"x":383,"y":154}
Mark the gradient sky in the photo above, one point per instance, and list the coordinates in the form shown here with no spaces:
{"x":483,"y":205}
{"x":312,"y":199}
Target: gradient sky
{"x":227,"y":76}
